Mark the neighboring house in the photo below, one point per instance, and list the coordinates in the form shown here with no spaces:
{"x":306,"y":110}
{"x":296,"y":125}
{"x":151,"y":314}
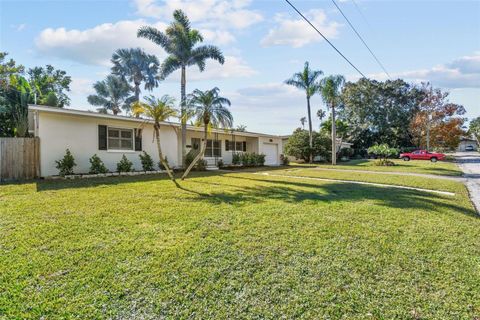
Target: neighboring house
{"x":87,"y":133}
{"x":467,"y":142}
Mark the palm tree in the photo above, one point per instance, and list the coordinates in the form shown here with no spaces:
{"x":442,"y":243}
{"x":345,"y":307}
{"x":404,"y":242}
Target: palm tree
{"x":159,"y":110}
{"x":112,"y":94}
{"x":321,"y":114}
{"x":330,"y":89}
{"x":210,"y":110}
{"x":179,"y":41}
{"x":307,"y":80}
{"x":302,"y":121}
{"x":135,"y":66}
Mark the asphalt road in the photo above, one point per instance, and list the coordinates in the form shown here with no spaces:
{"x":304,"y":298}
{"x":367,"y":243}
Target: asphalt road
{"x":469,"y":162}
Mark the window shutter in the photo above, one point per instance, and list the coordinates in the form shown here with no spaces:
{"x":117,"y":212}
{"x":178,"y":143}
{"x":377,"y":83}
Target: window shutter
{"x":245,"y":146}
{"x":138,"y":139}
{"x":227,"y":145}
{"x":102,"y":137}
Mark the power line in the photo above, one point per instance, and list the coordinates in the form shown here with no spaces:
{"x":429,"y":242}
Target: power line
{"x":331,"y":44}
{"x":361,"y":13}
{"x":360,"y":37}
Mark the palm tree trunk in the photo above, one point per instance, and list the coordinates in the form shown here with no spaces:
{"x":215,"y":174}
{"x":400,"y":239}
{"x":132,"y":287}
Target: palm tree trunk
{"x":310,"y":130}
{"x":334,"y":137}
{"x":183,"y":97}
{"x":137,"y":95}
{"x":160,"y":154}
{"x":200,"y":155}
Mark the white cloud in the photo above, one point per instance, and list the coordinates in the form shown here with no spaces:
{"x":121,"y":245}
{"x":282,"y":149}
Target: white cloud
{"x":463,"y":72}
{"x":297,"y":33}
{"x":81,"y":86}
{"x":209,"y":13}
{"x":234,"y":67}
{"x":94,"y":46}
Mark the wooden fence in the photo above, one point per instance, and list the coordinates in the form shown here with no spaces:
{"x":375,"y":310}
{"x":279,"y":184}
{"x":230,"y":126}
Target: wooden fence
{"x":19,"y":158}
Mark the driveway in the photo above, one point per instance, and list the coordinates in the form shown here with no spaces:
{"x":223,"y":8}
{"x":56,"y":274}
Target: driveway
{"x":469,"y":162}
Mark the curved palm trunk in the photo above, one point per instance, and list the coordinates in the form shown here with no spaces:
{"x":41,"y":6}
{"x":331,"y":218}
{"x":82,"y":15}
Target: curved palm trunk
{"x":137,"y":95}
{"x":183,"y":96}
{"x":160,"y":154}
{"x":310,"y":137}
{"x":334,"y":137}
{"x":200,"y":155}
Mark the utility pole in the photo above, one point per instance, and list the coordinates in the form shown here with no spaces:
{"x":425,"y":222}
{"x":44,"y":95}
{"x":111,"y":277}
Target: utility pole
{"x":429,"y":118}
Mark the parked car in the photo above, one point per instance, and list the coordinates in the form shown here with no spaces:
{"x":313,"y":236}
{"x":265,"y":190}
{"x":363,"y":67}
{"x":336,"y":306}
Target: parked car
{"x":422,"y":155}
{"x":469,"y":148}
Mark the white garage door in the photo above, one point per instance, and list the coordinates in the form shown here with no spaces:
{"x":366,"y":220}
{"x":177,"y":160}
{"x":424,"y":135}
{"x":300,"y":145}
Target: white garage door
{"x":271,"y":154}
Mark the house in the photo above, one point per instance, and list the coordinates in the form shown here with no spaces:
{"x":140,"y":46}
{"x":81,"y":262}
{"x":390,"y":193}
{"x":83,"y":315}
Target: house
{"x":467,"y":142}
{"x":109,"y":136}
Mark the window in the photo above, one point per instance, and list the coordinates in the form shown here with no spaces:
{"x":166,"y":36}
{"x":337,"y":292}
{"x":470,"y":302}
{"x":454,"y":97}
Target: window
{"x":235,"y":145}
{"x":120,"y":139}
{"x":214,"y":148}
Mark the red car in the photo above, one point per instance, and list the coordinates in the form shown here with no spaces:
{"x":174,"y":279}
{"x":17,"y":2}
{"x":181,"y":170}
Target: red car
{"x":422,"y":155}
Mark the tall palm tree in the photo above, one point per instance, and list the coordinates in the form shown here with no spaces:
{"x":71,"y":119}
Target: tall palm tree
{"x":331,"y":89}
{"x":210,"y":110}
{"x":302,"y":121}
{"x":159,"y":110}
{"x":179,"y":41}
{"x":112,"y":94}
{"x":135,"y":66}
{"x":307,"y":80}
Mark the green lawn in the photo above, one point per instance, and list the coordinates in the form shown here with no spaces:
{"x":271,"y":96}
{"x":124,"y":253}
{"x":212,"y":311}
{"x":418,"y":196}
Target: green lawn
{"x":445,"y":168}
{"x":235,"y":245}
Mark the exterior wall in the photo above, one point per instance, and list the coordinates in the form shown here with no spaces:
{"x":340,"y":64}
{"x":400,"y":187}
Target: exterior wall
{"x":271,"y":140}
{"x":58,"y":132}
{"x":464,"y":143}
{"x":226,"y":155}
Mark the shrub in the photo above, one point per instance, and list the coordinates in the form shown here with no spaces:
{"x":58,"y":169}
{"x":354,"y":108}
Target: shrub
{"x":346,"y":152}
{"x":260,"y":159}
{"x":236,"y":158}
{"x":220,"y":163}
{"x":284,"y":159}
{"x":201,"y":165}
{"x":245,"y":159}
{"x":65,"y":165}
{"x":189,"y":157}
{"x":97,"y":165}
{"x":298,"y":145}
{"x":124,"y":165}
{"x":383,"y":152}
{"x":147,"y":161}
{"x":161,"y":166}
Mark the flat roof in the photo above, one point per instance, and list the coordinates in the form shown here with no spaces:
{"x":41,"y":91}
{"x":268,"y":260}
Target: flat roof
{"x":93,"y":114}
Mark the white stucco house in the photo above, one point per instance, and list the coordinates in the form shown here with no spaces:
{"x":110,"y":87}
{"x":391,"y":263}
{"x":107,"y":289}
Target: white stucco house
{"x":87,"y":133}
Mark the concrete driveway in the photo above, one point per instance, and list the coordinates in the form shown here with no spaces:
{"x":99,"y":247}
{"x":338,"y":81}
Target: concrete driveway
{"x":469,"y":162}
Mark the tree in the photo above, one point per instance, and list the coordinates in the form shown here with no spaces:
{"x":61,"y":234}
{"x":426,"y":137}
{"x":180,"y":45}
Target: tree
{"x":50,"y":86}
{"x":8,"y":69}
{"x":210,"y":110}
{"x":135,"y":66}
{"x":341,"y":129}
{"x":330,"y":89}
{"x":298,"y":145}
{"x":179,"y":40}
{"x":111,"y":94}
{"x":437,"y":123}
{"x":159,"y":110}
{"x":14,"y":97}
{"x":320,"y":115}
{"x":307,"y":80}
{"x":302,"y":121}
{"x":379,"y":112}
{"x":474,"y":129}
{"x":383,"y":151}
{"x":241,"y":128}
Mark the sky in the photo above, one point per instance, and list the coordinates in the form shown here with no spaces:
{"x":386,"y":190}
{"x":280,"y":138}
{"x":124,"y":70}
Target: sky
{"x":264,"y":42}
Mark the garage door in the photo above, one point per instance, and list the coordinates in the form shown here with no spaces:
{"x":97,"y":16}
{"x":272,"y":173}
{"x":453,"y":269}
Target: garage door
{"x":271,"y":154}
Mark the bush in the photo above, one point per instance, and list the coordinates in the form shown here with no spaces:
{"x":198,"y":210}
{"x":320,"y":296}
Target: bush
{"x":284,"y":159}
{"x":147,"y":161}
{"x":298,"y":145}
{"x":201,"y":165}
{"x":383,"y":152}
{"x":260,"y":159}
{"x":189,"y":157}
{"x":161,"y":166}
{"x":246,"y":159}
{"x":236,"y":158}
{"x":96,"y":165}
{"x":220,"y":163}
{"x":124,"y":165}
{"x":346,"y":152}
{"x":65,"y":165}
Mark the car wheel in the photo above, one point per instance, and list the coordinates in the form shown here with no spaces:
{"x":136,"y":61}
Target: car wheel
{"x":406,"y":158}
{"x":433,"y":159}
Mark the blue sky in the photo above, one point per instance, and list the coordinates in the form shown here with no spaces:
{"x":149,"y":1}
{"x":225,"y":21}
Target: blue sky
{"x":264,"y":42}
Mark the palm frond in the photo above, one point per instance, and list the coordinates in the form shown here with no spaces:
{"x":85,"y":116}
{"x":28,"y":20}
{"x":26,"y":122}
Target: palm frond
{"x":156,"y":36}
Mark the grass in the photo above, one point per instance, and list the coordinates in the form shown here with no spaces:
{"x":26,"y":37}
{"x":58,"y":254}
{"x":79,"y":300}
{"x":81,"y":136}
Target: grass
{"x":445,"y":168}
{"x":235,"y":245}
